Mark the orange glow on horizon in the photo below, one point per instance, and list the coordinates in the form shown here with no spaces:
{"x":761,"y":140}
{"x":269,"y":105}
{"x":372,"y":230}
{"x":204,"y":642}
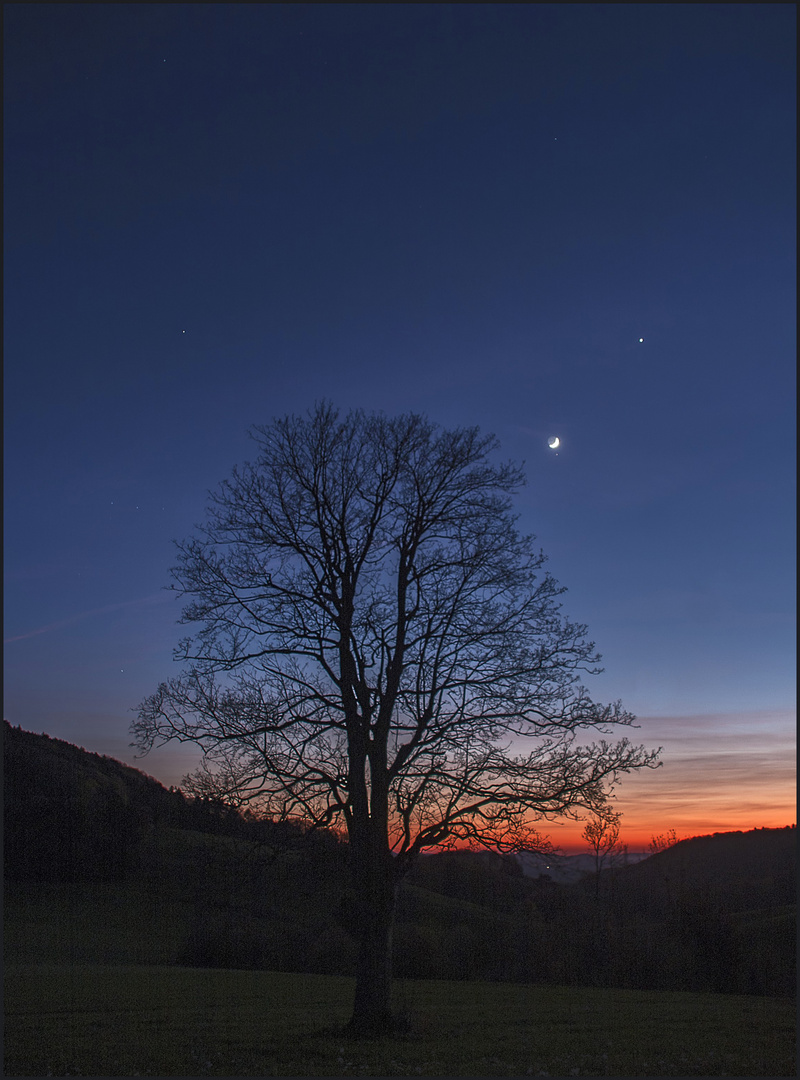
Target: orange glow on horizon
{"x":572,"y":843}
{"x":729,"y":772}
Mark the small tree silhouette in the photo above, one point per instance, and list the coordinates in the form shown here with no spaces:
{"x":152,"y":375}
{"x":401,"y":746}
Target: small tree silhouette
{"x":601,"y":833}
{"x":662,"y":841}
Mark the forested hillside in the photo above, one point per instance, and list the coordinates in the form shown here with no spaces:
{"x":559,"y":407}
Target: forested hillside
{"x":103,"y":864}
{"x":71,"y":815}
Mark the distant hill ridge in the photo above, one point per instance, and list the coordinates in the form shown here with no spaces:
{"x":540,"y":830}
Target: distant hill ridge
{"x":716,"y":856}
{"x":723,"y":872}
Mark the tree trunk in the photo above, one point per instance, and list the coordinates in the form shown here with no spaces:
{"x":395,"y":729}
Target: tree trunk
{"x":372,"y":1007}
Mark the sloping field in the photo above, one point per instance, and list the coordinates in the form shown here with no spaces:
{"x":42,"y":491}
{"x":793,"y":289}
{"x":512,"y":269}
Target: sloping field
{"x":96,"y":1020}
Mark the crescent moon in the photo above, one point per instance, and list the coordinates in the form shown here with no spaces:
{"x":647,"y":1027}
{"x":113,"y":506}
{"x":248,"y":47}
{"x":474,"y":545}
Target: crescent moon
{"x":554,"y":442}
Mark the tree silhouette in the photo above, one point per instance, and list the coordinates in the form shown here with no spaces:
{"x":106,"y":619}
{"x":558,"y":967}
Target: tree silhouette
{"x":601,"y":833}
{"x":379,"y":649}
{"x":663,"y":841}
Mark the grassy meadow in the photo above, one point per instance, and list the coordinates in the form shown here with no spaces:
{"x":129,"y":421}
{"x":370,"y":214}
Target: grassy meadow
{"x":103,"y":1020}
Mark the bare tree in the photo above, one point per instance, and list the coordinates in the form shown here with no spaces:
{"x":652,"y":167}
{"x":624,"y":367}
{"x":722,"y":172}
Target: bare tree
{"x":601,"y":833}
{"x":379,"y":649}
{"x":662,"y":841}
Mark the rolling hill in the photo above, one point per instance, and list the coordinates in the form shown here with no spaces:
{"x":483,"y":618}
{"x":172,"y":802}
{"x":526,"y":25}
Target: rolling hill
{"x":104,"y":865}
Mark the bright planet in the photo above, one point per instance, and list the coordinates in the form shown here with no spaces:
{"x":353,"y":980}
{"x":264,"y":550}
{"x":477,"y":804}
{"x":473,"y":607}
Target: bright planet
{"x":554,"y":442}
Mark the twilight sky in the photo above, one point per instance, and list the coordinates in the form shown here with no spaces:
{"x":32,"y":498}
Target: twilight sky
{"x":218,"y":213}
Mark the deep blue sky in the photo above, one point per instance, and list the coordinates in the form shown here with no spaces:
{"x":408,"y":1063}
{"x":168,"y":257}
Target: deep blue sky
{"x":216,"y":214}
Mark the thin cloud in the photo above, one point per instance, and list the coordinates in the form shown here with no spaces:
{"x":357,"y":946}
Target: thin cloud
{"x":720,"y":772}
{"x":141,"y":602}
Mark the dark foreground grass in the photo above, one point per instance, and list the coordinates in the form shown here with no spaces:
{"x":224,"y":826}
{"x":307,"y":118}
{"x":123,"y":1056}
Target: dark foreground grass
{"x":139,"y":1021}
